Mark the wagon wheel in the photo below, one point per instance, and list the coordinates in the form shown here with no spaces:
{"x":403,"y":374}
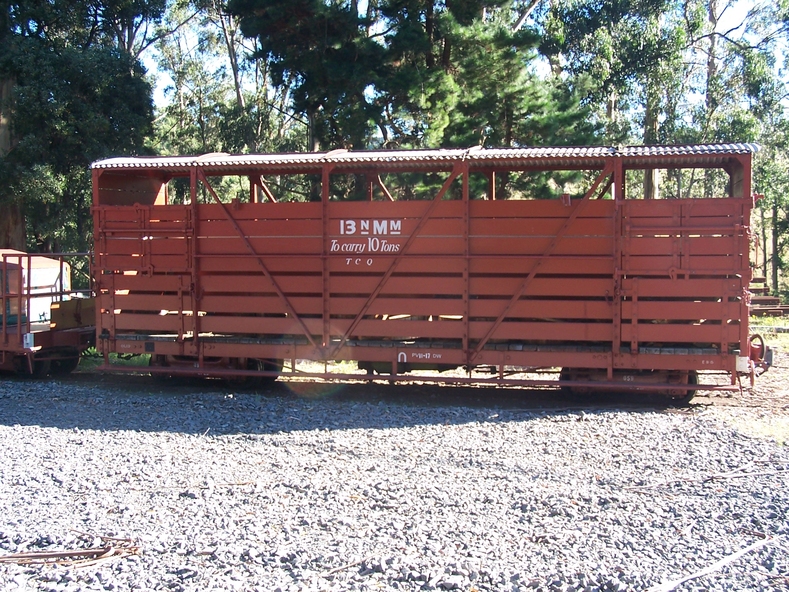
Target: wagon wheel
{"x":252,"y":382}
{"x":272,"y":366}
{"x":681,"y":400}
{"x":581,"y":394}
{"x":41,"y":368}
{"x":160,"y":361}
{"x":67,"y":365}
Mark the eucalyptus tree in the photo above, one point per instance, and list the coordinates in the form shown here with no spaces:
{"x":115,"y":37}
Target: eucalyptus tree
{"x":218,"y":99}
{"x":682,"y":71}
{"x":69,"y":95}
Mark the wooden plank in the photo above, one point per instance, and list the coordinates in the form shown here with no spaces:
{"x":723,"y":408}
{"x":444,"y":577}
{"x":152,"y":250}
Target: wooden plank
{"x":293,"y":227}
{"x":247,"y":264}
{"x":398,"y":285}
{"x":235,"y":246}
{"x":570,"y":245}
{"x":230,"y":284}
{"x":541,"y":286}
{"x":148,"y":323}
{"x":266,"y":210}
{"x":683,"y":310}
{"x":147,"y":302}
{"x":143,"y":283}
{"x":540,"y":227}
{"x":122,"y":246}
{"x":704,"y":335}
{"x":257,"y":304}
{"x":545,"y":331}
{"x":538,"y":208}
{"x":544,"y":309}
{"x":724,"y":245}
{"x":685,"y":288}
{"x":167,"y":246}
{"x":695,"y":265}
{"x":696,"y":207}
{"x":246,"y":325}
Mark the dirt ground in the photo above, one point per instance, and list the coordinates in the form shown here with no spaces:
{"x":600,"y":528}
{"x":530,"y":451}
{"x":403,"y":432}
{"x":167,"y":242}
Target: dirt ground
{"x":761,"y":411}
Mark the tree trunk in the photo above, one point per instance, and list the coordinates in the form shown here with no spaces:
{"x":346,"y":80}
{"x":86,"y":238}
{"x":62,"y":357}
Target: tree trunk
{"x":6,"y":88}
{"x":314,"y":143}
{"x":12,"y":225}
{"x":651,"y":176}
{"x":429,"y":26}
{"x":12,"y":218}
{"x":710,"y":95}
{"x":764,"y":242}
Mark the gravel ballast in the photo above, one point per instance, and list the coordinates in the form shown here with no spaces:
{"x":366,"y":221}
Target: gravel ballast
{"x":221,"y":490}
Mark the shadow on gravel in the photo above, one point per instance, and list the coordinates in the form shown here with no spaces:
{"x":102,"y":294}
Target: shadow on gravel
{"x":141,"y":403}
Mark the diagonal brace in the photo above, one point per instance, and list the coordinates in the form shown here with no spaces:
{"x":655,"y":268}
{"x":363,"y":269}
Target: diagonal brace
{"x":258,"y":258}
{"x":608,"y":170}
{"x":434,"y":202}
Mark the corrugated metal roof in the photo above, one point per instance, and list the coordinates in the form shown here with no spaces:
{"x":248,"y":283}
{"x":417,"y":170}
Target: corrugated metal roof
{"x":403,"y":159}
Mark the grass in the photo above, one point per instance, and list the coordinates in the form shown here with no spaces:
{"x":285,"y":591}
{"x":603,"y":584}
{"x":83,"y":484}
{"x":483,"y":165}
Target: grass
{"x":770,"y":426}
{"x":770,"y":321}
{"x":775,"y":332}
{"x":91,"y":360}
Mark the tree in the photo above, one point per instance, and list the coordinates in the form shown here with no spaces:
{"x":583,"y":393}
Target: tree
{"x":69,"y":97}
{"x":683,"y":71}
{"x":410,"y":72}
{"x":324,"y":49}
{"x":218,"y":100}
{"x":629,"y":54}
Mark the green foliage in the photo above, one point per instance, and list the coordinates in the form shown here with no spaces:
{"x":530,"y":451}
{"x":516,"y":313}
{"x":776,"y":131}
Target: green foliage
{"x":205,"y":111}
{"x":73,"y":106}
{"x":75,"y":98}
{"x":321,"y":47}
{"x":411,"y":73}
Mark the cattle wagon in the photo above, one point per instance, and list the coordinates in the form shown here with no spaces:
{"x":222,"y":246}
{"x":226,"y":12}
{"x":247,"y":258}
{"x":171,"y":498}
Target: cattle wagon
{"x":566,"y":266}
{"x":45,"y":322}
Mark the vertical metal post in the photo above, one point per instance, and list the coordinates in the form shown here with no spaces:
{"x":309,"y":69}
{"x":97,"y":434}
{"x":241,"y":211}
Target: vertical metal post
{"x":28,"y":288}
{"x":634,"y":317}
{"x":742,"y":233}
{"x":5,"y":299}
{"x":195,"y":271}
{"x":618,"y":190}
{"x":466,"y":262}
{"x":325,"y":254}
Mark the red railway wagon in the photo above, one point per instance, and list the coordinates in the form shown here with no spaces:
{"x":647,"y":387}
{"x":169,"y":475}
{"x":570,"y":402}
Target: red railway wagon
{"x":492,"y":262}
{"x":45,"y":325}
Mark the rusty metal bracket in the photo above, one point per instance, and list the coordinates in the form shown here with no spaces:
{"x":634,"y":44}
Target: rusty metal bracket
{"x":259,"y":182}
{"x":383,"y":188}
